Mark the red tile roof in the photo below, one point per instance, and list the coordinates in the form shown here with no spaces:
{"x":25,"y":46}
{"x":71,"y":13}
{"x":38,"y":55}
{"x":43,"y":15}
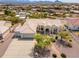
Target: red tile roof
{"x":73,"y":21}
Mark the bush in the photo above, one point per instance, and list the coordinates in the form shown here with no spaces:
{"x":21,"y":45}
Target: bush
{"x":56,"y":37}
{"x":54,"y":55}
{"x":53,"y":41}
{"x":63,"y":55}
{"x":70,"y":40}
{"x":69,"y":45}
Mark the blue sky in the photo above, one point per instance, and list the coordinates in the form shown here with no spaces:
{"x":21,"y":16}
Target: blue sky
{"x":75,"y":1}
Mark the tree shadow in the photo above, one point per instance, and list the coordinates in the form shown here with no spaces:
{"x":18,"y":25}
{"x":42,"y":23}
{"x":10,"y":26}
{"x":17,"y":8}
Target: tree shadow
{"x":62,"y":42}
{"x":40,"y":53}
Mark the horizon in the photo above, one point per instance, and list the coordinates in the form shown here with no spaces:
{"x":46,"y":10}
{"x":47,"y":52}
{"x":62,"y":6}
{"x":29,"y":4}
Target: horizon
{"x":21,"y":1}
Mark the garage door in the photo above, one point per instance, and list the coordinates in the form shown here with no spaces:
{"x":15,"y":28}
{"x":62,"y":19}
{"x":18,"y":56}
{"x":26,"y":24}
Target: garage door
{"x":27,"y":36}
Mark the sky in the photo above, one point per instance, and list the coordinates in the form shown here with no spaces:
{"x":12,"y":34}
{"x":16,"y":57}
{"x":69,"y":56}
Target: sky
{"x":59,"y":0}
{"x":72,"y":1}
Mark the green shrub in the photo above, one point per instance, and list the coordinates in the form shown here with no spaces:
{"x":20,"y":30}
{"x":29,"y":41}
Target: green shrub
{"x":69,"y":45}
{"x":53,"y":41}
{"x":54,"y":55}
{"x":70,"y":40}
{"x":63,"y":55}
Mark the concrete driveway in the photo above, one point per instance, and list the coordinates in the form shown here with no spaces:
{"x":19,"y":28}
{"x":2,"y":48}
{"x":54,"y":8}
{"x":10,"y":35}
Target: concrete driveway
{"x":19,"y":49}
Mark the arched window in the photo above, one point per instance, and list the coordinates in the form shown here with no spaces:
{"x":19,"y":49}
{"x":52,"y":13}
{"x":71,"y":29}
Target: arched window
{"x":47,"y":31}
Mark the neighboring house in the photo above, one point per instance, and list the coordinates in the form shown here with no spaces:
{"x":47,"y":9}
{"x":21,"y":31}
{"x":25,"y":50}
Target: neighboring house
{"x":74,"y":11}
{"x":4,"y":28}
{"x":33,"y":9}
{"x":21,"y":15}
{"x":73,"y":28}
{"x":1,"y":13}
{"x":73,"y":24}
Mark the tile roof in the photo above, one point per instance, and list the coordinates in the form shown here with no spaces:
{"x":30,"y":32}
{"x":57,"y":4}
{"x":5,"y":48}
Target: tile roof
{"x":26,"y":29}
{"x":3,"y":28}
{"x":30,"y":25}
{"x":73,"y":21}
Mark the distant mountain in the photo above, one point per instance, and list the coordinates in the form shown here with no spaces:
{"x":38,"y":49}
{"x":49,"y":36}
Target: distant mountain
{"x":57,"y":1}
{"x":14,"y":1}
{"x":42,"y":2}
{"x":27,"y":2}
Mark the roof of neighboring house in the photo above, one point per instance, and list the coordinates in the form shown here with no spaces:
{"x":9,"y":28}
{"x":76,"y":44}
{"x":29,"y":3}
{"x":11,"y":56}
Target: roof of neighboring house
{"x":3,"y":27}
{"x":73,"y":21}
{"x":1,"y":12}
{"x":75,"y":11}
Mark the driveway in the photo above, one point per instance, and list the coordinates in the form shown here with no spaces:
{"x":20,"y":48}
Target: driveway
{"x":19,"y":49}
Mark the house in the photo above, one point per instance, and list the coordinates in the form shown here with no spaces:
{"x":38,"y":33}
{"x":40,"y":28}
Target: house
{"x":47,"y":29}
{"x":31,"y":27}
{"x":73,"y":24}
{"x":74,"y":11}
{"x":24,"y":32}
{"x":4,"y":28}
{"x":21,"y":15}
{"x":1,"y":13}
